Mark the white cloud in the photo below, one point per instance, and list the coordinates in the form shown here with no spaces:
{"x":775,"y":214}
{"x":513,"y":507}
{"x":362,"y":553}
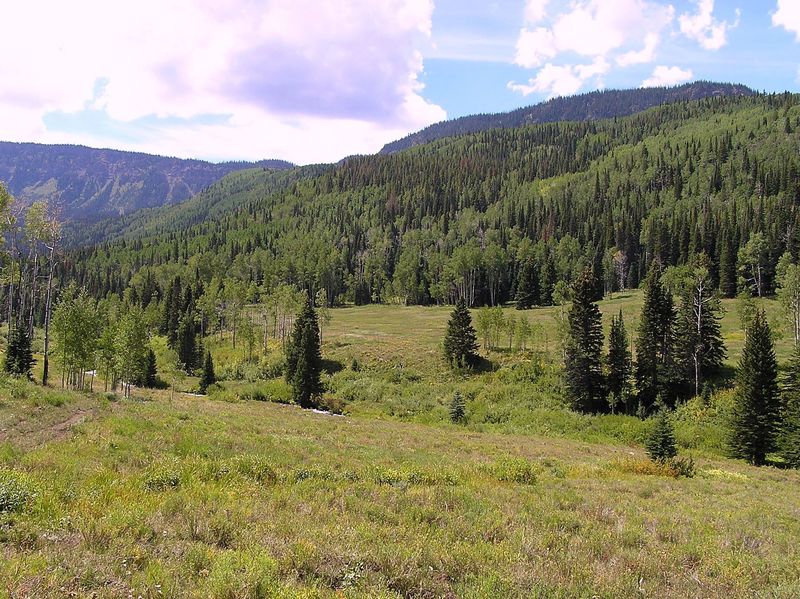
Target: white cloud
{"x":535,"y":47}
{"x":287,"y":73}
{"x":666,"y":76}
{"x":788,"y":17}
{"x":704,"y":29}
{"x":561,"y":80}
{"x":535,"y":10}
{"x":643,"y":56}
{"x":626,"y":32}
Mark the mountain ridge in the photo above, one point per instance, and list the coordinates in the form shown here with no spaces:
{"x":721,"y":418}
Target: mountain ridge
{"x":589,"y":106}
{"x":89,"y":182}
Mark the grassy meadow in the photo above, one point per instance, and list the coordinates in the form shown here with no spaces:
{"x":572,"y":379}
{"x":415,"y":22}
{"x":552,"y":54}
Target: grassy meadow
{"x":238,"y":494}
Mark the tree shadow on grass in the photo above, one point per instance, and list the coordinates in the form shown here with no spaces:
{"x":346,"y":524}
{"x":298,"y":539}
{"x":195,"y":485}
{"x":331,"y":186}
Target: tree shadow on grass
{"x":332,"y":366}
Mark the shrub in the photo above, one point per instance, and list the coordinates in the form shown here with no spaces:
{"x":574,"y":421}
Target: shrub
{"x":458,"y":408}
{"x":661,"y":440}
{"x":683,"y":467}
{"x":515,"y":470}
{"x":15,"y":491}
{"x":273,"y":366}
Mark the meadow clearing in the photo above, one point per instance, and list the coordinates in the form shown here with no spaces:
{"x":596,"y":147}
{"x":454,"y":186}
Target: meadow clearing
{"x":175,"y":495}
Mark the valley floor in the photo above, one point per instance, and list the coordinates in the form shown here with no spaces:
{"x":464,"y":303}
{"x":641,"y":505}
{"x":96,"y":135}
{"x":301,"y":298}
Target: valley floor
{"x":155,"y":497}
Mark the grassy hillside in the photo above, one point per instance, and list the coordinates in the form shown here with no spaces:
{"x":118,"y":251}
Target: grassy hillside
{"x":191,"y":497}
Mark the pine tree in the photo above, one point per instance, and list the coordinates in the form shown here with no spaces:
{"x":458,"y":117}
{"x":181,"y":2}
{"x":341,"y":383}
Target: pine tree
{"x":547,"y":280}
{"x":457,"y":408}
{"x":460,"y":341}
{"x":19,"y":358}
{"x":618,"y":362}
{"x":582,"y":364}
{"x":150,"y":371}
{"x":304,"y":360}
{"x":187,"y":342}
{"x":527,"y":285}
{"x":208,"y":377}
{"x":654,"y":367}
{"x":660,"y":442}
{"x":756,"y":409}
{"x":727,"y":267}
{"x":789,"y":435}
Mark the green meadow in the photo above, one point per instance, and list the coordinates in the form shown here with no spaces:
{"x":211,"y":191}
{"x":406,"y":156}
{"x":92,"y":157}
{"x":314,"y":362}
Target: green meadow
{"x":240,"y":494}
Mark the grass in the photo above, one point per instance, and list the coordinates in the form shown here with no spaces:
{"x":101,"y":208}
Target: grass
{"x":201,"y":498}
{"x":239,"y":494}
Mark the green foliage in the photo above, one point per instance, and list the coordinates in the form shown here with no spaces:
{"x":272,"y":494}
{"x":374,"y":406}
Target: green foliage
{"x":15,"y":491}
{"x":619,"y":364}
{"x":789,"y":433}
{"x":457,"y":408}
{"x":19,"y":358}
{"x":660,"y":442}
{"x":756,"y":409}
{"x":655,"y":370}
{"x":583,"y":362}
{"x":460,"y":340}
{"x":515,"y":470}
{"x":304,"y":361}
{"x":208,"y":377}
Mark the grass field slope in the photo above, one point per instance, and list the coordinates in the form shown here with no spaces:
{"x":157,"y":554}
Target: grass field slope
{"x":241,"y":494}
{"x":188,"y":497}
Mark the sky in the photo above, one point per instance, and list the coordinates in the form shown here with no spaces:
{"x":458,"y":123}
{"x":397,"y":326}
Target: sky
{"x":317,"y":80}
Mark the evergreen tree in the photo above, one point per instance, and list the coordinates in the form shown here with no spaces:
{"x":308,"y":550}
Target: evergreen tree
{"x":547,"y":280}
{"x":208,"y":377}
{"x":304,"y":360}
{"x":756,"y":409}
{"x":527,"y":285}
{"x":150,"y":371}
{"x":187,"y":342}
{"x":789,"y":435}
{"x":654,"y":367}
{"x":660,"y":442}
{"x":19,"y":358}
{"x":457,"y":408}
{"x":727,"y":267}
{"x":582,"y":364}
{"x":619,"y":364}
{"x":460,"y":341}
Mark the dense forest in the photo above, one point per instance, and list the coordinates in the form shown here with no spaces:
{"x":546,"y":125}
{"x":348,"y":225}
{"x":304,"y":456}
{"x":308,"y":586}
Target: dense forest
{"x":602,"y":104}
{"x":493,"y":216}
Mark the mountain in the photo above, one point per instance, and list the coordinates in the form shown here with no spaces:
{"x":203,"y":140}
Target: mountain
{"x":460,"y":216}
{"x":594,"y":105}
{"x":89,"y":182}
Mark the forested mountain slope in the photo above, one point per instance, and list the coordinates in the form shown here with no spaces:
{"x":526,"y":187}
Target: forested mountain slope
{"x":235,"y":189}
{"x":89,"y":182}
{"x":478,"y":215}
{"x":591,"y":106}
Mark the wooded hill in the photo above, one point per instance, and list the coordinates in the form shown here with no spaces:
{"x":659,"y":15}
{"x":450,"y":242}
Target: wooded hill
{"x":594,"y":105}
{"x":472,"y":216}
{"x":87,"y":182}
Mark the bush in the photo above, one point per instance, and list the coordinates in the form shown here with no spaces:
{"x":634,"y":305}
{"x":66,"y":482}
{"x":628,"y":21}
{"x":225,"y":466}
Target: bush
{"x":515,"y":470}
{"x":15,"y":491}
{"x":273,"y":366}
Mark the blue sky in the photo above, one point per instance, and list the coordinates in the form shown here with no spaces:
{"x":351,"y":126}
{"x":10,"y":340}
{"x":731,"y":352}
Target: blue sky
{"x":474,"y":55}
{"x":317,"y":80}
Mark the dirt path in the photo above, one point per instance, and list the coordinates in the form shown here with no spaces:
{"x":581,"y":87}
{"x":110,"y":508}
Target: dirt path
{"x":27,"y":428}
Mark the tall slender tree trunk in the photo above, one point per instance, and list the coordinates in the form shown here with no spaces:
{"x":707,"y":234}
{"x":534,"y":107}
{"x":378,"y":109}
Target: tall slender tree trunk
{"x":47,"y":313}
